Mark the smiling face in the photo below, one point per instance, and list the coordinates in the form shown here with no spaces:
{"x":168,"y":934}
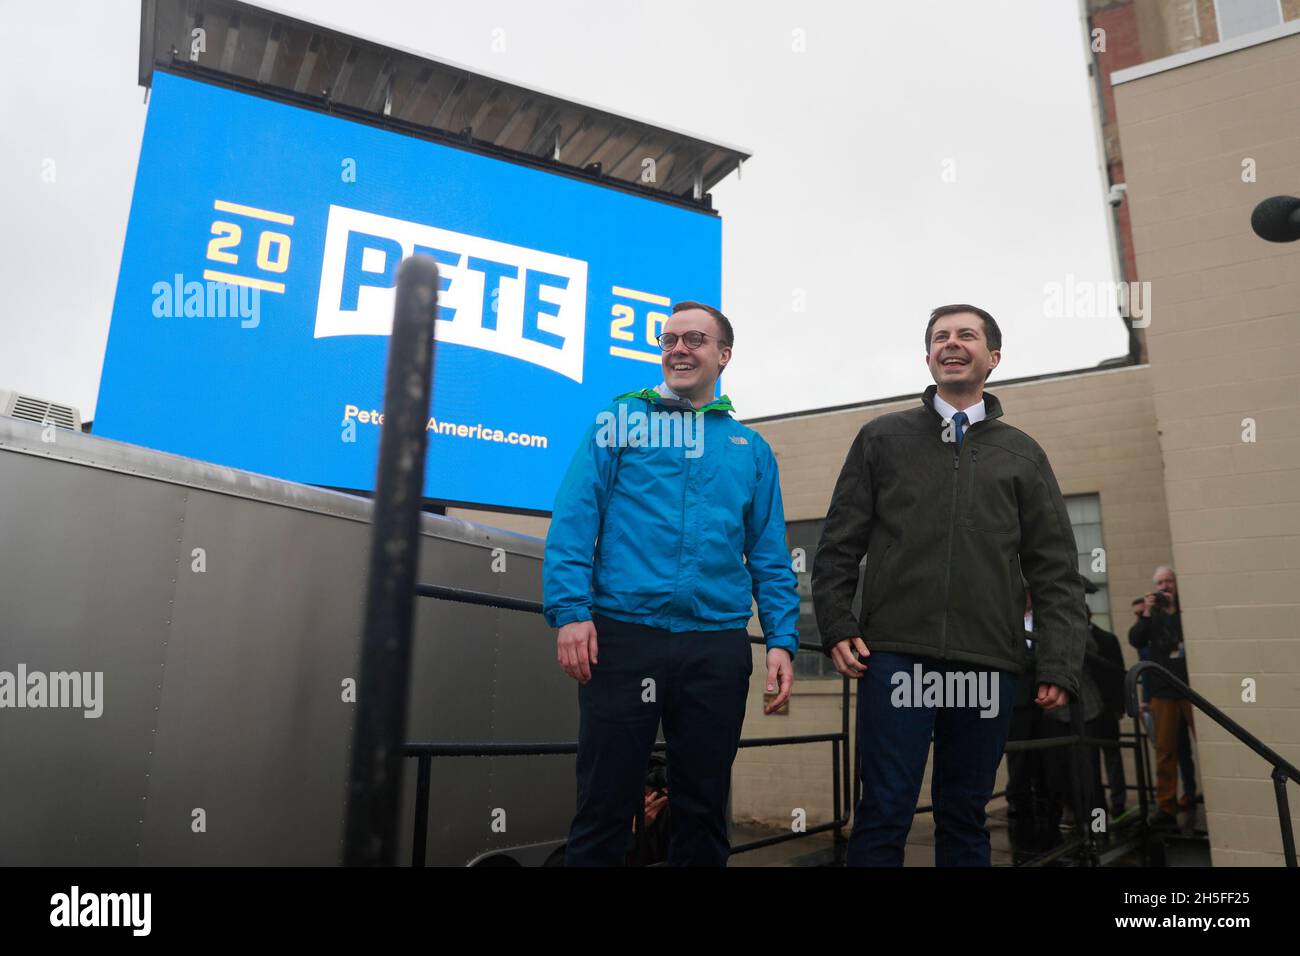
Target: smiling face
{"x":693,"y":373}
{"x":959,"y":357}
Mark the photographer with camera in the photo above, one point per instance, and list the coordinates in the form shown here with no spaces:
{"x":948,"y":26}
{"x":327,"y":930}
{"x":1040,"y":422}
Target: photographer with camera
{"x":653,"y":847}
{"x":1159,"y":631}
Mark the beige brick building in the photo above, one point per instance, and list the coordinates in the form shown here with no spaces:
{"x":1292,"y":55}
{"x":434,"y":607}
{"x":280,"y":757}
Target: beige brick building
{"x":1192,"y":459}
{"x":1207,"y":135}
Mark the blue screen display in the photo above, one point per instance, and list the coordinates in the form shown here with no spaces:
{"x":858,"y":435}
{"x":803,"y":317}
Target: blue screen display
{"x":254,"y":303}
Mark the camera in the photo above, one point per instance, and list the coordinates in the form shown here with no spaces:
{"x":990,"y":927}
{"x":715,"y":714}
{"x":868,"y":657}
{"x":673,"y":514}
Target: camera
{"x":656,"y":777}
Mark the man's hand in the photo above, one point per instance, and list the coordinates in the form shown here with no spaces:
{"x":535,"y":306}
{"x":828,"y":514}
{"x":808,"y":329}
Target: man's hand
{"x":575,"y":649}
{"x":780,"y":672}
{"x":1050,"y":697}
{"x":1149,"y":604}
{"x":843,"y":659}
{"x":655,"y":800}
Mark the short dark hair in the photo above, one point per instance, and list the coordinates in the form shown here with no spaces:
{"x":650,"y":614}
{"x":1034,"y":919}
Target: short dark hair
{"x":728,"y":336}
{"x":992,"y":334}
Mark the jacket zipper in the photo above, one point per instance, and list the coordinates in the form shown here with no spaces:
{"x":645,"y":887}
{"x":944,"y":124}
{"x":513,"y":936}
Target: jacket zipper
{"x":717,"y":405}
{"x":952,"y":533}
{"x":947,"y":574}
{"x":681,"y":538}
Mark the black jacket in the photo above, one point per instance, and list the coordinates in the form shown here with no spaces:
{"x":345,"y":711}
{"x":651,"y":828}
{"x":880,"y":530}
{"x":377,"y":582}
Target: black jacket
{"x":1089,"y":695}
{"x":1110,"y":680}
{"x":948,"y":535}
{"x":1162,"y":636}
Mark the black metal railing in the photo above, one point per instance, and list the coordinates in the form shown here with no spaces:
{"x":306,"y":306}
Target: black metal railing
{"x":425,"y":752}
{"x":1083,"y":841}
{"x":1283,"y":770}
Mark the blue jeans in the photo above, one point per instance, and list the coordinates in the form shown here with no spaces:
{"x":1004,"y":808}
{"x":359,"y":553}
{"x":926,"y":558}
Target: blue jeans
{"x":893,"y":743}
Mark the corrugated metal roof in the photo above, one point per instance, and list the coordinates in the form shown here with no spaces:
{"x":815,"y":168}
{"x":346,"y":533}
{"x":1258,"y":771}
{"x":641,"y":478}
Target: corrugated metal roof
{"x":314,"y":65}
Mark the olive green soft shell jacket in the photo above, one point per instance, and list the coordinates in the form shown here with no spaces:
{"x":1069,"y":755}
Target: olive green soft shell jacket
{"x":948,"y":535}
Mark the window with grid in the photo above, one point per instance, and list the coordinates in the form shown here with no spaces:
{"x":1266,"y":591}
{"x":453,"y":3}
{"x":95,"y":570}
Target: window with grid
{"x":811,"y":664}
{"x":1239,"y":17}
{"x":1085,"y":519}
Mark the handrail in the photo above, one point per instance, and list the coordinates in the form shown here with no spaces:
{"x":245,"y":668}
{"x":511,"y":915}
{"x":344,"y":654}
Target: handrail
{"x":485,"y":599}
{"x":425,"y":751}
{"x":474,"y":749}
{"x":1215,"y":714}
{"x":1282,"y":768}
{"x":464,"y":596}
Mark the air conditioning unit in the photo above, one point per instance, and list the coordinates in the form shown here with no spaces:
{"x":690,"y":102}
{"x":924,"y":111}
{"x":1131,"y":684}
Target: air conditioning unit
{"x":38,"y":410}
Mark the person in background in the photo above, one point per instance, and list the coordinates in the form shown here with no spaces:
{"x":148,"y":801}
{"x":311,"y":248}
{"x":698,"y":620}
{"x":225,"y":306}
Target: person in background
{"x":1030,"y":812}
{"x":1060,"y":766}
{"x":653,"y":847}
{"x":1159,"y":630}
{"x":1109,"y":675}
{"x":1186,"y":767}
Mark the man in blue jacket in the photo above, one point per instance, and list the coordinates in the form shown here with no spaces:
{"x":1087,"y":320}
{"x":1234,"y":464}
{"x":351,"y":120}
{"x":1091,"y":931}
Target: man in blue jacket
{"x":667,"y":525}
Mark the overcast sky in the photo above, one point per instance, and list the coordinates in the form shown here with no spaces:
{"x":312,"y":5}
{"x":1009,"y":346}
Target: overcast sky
{"x":911,"y":154}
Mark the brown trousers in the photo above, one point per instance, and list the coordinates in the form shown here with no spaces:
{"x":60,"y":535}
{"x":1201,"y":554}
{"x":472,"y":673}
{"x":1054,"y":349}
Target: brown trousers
{"x":1169,"y":714}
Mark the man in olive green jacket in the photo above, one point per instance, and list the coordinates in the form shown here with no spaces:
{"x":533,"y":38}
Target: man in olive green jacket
{"x":951,"y":505}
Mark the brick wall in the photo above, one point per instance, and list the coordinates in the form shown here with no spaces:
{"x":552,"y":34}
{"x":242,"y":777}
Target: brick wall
{"x":1123,"y":49}
{"x":1222,"y":342}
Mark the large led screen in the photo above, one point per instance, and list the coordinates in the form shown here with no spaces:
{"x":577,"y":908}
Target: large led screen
{"x":254,"y":302}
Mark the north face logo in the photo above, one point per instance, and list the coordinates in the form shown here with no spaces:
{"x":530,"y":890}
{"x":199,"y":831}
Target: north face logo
{"x":740,"y":439}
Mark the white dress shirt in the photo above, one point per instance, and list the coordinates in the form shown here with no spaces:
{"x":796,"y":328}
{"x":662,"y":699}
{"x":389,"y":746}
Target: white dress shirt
{"x":973,"y":414}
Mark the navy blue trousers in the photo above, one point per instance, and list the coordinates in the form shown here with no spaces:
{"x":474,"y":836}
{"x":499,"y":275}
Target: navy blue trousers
{"x":893,"y":743}
{"x":696,"y":682}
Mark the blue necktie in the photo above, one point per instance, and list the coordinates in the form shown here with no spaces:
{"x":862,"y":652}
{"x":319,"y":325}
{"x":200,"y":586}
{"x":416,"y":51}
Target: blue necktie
{"x":959,"y":419}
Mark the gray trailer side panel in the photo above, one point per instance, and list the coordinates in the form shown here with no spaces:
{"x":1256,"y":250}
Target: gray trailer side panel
{"x":224,"y":688}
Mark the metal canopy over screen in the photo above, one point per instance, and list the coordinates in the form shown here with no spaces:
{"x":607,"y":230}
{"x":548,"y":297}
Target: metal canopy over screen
{"x":304,"y":62}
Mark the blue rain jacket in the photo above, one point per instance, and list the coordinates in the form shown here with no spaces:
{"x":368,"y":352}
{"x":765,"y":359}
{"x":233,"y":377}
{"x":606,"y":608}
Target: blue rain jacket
{"x":678,"y":538}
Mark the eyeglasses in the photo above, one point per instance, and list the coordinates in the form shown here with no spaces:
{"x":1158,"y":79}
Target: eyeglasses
{"x":692,"y":340}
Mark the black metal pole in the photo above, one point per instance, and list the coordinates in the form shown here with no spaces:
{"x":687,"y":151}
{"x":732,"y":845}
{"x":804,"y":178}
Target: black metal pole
{"x":841,"y":841}
{"x":835,"y":785}
{"x":844,"y":729}
{"x":374,"y":782}
{"x":1284,"y":817}
{"x":1081,"y":782}
{"x":857,"y":777}
{"x":420,"y":838}
{"x":1143,"y":783}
